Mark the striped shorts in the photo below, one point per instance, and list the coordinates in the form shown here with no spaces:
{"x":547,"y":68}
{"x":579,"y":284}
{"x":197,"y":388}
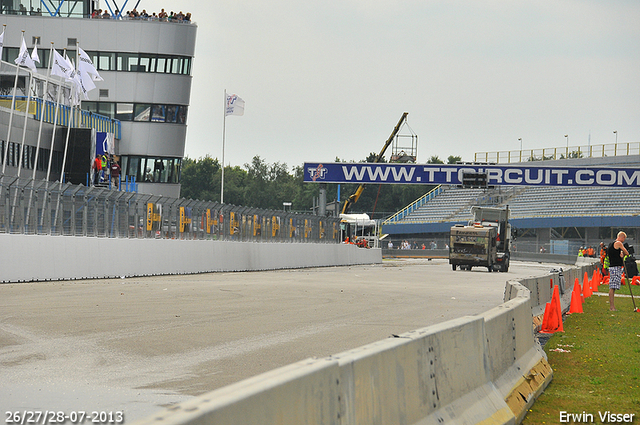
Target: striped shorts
{"x":615,"y":277}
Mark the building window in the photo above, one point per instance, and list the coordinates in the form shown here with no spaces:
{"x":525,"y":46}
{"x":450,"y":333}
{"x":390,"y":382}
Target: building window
{"x":141,"y":112}
{"x":107,"y":61}
{"x":151,"y":169}
{"x":124,"y":111}
{"x":107,"y":109}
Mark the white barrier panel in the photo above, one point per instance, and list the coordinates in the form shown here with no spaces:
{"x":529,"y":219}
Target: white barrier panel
{"x":428,"y":376}
{"x":305,"y":392}
{"x":542,"y":287}
{"x":517,"y":364}
{"x":37,"y":257}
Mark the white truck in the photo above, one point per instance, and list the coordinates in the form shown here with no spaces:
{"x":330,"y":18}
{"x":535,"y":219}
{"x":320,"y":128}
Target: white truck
{"x":484,"y":241}
{"x":360,"y":230}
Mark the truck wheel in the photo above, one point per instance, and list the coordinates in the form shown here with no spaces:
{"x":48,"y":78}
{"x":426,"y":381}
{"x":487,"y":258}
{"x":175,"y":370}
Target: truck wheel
{"x":453,"y":267}
{"x":505,"y":266}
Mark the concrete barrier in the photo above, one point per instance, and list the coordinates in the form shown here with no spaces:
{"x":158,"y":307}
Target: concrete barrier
{"x":306,"y":392}
{"x":518,"y":366}
{"x":431,"y":375}
{"x":37,"y":257}
{"x":482,"y":369}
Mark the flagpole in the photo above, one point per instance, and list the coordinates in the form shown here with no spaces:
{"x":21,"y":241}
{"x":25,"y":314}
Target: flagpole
{"x":224,"y":122}
{"x":13,"y":106}
{"x":55,"y":123}
{"x":45,"y":93}
{"x":24,"y":127}
{"x":42,"y":109}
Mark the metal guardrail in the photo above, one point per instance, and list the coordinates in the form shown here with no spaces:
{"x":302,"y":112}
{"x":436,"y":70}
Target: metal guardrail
{"x":80,"y":118}
{"x":591,"y":151}
{"x":35,"y":207}
{"x":414,"y":205}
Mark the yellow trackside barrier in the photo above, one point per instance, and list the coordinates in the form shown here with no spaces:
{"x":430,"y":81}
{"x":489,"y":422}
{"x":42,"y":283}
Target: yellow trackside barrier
{"x":20,"y":105}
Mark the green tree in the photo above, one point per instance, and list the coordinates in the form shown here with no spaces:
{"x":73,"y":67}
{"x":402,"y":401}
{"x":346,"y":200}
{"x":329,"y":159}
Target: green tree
{"x":453,"y":159}
{"x":234,"y":186}
{"x":200,"y":179}
{"x":435,"y":160}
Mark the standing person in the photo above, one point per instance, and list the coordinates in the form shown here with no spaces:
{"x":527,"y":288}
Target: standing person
{"x":616,"y":252}
{"x":603,"y":254}
{"x":115,"y":173}
{"x":97,"y":167}
{"x":105,"y":167}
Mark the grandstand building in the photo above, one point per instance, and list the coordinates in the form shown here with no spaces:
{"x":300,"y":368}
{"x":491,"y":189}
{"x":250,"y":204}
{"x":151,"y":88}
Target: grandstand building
{"x":546,"y":218}
{"x":146,"y":65}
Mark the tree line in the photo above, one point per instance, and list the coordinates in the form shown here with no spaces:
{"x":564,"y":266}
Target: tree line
{"x":263,"y":185}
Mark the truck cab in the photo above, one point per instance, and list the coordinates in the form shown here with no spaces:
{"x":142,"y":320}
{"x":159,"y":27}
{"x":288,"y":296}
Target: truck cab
{"x":484,"y":241}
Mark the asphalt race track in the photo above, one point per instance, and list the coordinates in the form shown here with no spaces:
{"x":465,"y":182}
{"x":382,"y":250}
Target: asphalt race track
{"x":134,"y":345}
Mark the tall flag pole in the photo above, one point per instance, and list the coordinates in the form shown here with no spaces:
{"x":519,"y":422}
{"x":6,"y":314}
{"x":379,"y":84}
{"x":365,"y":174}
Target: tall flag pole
{"x":233,"y":105}
{"x":33,"y":58}
{"x":62,"y":69}
{"x":4,"y":27}
{"x":224,"y":122}
{"x":13,"y":107}
{"x":43,"y":108}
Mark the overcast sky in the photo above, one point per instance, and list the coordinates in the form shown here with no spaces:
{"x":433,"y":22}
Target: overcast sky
{"x":331,"y":79}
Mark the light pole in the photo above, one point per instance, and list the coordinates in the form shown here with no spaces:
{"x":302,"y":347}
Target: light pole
{"x":567,"y":136}
{"x":616,"y":133}
{"x":520,"y":148}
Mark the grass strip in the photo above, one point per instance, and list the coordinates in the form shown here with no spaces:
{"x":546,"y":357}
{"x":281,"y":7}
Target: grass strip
{"x":596,"y":366}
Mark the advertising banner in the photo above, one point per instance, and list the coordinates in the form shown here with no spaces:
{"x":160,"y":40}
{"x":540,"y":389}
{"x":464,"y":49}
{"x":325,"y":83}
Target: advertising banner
{"x":507,"y":175}
{"x":185,"y":219}
{"x":154,"y":216}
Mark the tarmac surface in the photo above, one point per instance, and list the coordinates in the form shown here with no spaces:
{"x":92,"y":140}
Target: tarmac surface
{"x":138,"y":344}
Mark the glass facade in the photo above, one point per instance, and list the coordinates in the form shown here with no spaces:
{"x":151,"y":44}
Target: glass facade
{"x":112,"y":61}
{"x":151,"y":169}
{"x":142,"y":112}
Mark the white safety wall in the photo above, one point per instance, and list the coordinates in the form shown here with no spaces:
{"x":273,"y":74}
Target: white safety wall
{"x":36,"y":257}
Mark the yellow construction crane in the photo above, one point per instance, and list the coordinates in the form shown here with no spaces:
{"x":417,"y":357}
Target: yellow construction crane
{"x":354,"y":198}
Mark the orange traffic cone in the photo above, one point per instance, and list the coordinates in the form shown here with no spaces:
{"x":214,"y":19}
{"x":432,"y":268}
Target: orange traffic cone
{"x":635,"y":280}
{"x":595,"y":282}
{"x":552,"y":321}
{"x":586,"y":287}
{"x":576,"y":284}
{"x":546,"y":319}
{"x":576,"y":302}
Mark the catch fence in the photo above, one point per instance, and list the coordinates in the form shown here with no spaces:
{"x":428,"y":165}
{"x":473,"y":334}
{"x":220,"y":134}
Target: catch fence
{"x":34,"y":207}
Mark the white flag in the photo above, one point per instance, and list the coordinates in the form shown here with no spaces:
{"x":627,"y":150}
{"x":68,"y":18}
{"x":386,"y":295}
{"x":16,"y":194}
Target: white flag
{"x":24,"y":59}
{"x":87,"y":80}
{"x":34,"y":54}
{"x":87,"y":66}
{"x":235,"y":105}
{"x":1,"y":42}
{"x":61,"y":67}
